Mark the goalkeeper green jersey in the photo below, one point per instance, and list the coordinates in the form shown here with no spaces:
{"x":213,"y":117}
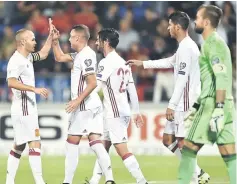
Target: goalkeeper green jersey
{"x":215,"y":67}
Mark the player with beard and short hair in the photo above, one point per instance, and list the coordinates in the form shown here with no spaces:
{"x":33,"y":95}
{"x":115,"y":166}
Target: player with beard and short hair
{"x":212,"y":117}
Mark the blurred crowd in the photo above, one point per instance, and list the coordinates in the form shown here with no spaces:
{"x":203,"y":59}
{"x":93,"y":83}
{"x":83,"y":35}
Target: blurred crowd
{"x":143,"y":35}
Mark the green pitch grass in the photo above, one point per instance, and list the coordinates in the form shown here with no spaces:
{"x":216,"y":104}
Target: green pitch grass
{"x":157,"y":169}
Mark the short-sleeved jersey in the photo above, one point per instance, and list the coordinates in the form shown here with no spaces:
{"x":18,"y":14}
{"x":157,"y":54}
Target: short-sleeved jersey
{"x":116,"y":76}
{"x":84,"y":63}
{"x":21,"y":68}
{"x":215,"y":67}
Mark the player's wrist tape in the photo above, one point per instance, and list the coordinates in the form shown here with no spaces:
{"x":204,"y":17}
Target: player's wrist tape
{"x":220,"y":105}
{"x":196,"y":106}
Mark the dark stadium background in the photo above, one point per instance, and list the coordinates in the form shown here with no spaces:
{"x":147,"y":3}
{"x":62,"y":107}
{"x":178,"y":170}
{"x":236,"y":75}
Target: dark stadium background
{"x":143,"y":35}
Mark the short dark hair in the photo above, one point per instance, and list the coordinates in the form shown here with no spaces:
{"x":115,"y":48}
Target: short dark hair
{"x":111,"y":35}
{"x":180,"y":18}
{"x":213,"y":13}
{"x":82,"y":28}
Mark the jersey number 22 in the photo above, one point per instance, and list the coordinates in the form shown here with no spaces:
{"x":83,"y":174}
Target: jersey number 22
{"x":122,"y":73}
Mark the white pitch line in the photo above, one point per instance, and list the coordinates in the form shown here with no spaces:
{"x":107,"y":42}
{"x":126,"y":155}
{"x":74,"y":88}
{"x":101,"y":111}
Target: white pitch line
{"x":175,"y":182}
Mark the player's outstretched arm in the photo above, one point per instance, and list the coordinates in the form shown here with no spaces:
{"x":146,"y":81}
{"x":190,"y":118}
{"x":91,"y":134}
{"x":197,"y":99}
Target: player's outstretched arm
{"x":58,"y":53}
{"x":160,"y":63}
{"x":44,"y":52}
{"x":14,"y":83}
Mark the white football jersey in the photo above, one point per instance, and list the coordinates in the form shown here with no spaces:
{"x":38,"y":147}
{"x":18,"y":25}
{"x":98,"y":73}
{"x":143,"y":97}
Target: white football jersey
{"x":21,"y":68}
{"x":116,"y":75}
{"x":186,"y":74}
{"x":84,"y":63}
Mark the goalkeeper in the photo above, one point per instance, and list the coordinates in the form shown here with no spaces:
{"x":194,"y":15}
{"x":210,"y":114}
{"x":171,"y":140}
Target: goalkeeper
{"x":211,"y":118}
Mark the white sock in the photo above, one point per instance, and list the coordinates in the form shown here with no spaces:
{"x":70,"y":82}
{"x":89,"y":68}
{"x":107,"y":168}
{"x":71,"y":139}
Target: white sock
{"x":97,"y":173}
{"x":194,"y":178}
{"x":12,"y":165}
{"x":103,"y":159}
{"x":133,"y":167}
{"x":175,"y":149}
{"x":198,"y":169}
{"x":195,"y":174}
{"x":35,"y":164}
{"x":71,"y":161}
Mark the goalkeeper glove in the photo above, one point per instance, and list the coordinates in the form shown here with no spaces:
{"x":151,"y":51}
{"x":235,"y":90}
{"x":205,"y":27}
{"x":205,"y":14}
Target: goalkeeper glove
{"x":188,"y":118}
{"x":217,"y":119}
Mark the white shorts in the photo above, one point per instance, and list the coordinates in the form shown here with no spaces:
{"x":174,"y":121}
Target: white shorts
{"x":115,"y":129}
{"x":86,"y":122}
{"x":176,"y":127}
{"x":26,"y":128}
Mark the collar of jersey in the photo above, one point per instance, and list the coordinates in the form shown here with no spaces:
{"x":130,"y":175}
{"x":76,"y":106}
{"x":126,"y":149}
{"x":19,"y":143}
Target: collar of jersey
{"x":18,"y":53}
{"x":183,"y":40}
{"x":111,"y":53}
{"x":84,"y":48}
{"x":211,"y":36}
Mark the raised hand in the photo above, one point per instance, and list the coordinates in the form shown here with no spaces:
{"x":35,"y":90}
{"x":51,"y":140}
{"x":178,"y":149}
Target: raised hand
{"x":50,"y":26}
{"x":53,"y":30}
{"x":56,"y":34}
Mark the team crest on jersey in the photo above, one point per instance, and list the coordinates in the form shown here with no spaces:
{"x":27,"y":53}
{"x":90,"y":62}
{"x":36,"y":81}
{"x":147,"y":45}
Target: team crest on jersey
{"x":88,"y":62}
{"x":182,"y":66}
{"x":100,"y":69}
{"x":37,"y":134}
{"x":215,"y":61}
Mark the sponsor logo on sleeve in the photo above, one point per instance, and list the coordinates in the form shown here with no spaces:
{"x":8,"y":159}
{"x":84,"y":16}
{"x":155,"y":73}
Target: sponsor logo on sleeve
{"x":181,"y":72}
{"x":88,"y":62}
{"x":99,"y":75}
{"x":89,"y":69}
{"x":182,"y":66}
{"x":100,"y":69}
{"x":219,"y":68}
{"x":215,"y":61}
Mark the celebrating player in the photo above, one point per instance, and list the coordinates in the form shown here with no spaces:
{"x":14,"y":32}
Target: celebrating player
{"x":187,"y":85}
{"x":213,"y":114}
{"x":24,"y":115}
{"x":85,"y":107}
{"x":115,"y":79}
